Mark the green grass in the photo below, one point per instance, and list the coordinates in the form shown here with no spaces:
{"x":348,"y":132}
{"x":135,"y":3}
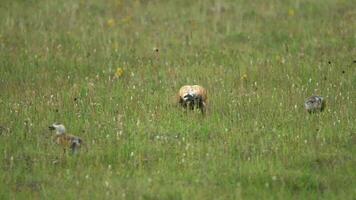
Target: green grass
{"x":58,"y":60}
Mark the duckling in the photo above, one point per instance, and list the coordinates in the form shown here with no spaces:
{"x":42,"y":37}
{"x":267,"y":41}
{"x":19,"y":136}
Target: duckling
{"x":314,"y":104}
{"x":193,"y":96}
{"x":64,"y":139}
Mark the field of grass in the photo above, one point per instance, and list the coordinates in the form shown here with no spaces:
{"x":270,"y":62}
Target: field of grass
{"x":258,"y":60}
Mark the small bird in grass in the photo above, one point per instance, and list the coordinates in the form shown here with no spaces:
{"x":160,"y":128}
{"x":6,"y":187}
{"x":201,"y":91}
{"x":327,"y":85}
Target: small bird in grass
{"x":64,"y":139}
{"x":193,"y":96}
{"x":314,"y":104}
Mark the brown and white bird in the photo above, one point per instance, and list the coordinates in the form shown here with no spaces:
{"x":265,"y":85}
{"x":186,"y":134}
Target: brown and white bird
{"x":193,"y":96}
{"x":65,"y":140}
{"x":314,"y":104}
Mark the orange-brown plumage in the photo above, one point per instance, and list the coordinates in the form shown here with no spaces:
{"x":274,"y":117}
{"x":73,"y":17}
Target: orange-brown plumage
{"x":193,"y":96}
{"x":65,"y":140}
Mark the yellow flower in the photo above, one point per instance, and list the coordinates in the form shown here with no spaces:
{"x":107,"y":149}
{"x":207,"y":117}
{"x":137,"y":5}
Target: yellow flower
{"x":119,"y":72}
{"x":244,"y":77}
{"x":110,"y":22}
{"x":291,"y":12}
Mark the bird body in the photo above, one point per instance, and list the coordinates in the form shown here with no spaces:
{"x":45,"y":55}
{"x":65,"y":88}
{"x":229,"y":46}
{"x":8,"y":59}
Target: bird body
{"x":193,"y":96}
{"x":68,"y":141}
{"x":314,"y":104}
{"x":65,"y":140}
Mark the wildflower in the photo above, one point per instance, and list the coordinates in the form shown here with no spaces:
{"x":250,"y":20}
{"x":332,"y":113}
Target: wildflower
{"x":291,"y":12}
{"x":119,"y":72}
{"x":244,"y":77}
{"x":110,"y":22}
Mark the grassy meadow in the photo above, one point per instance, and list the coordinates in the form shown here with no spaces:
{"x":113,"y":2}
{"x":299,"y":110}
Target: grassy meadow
{"x":259,"y":61}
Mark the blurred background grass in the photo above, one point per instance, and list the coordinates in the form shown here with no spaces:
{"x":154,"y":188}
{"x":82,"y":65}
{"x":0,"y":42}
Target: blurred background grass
{"x":258,"y":60}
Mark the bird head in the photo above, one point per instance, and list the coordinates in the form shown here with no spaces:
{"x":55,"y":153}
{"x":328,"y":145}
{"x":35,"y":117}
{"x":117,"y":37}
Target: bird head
{"x":58,"y":127}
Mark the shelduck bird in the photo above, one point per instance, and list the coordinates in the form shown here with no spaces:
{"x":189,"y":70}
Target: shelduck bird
{"x":314,"y":104}
{"x":193,"y":96}
{"x":64,"y":139}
